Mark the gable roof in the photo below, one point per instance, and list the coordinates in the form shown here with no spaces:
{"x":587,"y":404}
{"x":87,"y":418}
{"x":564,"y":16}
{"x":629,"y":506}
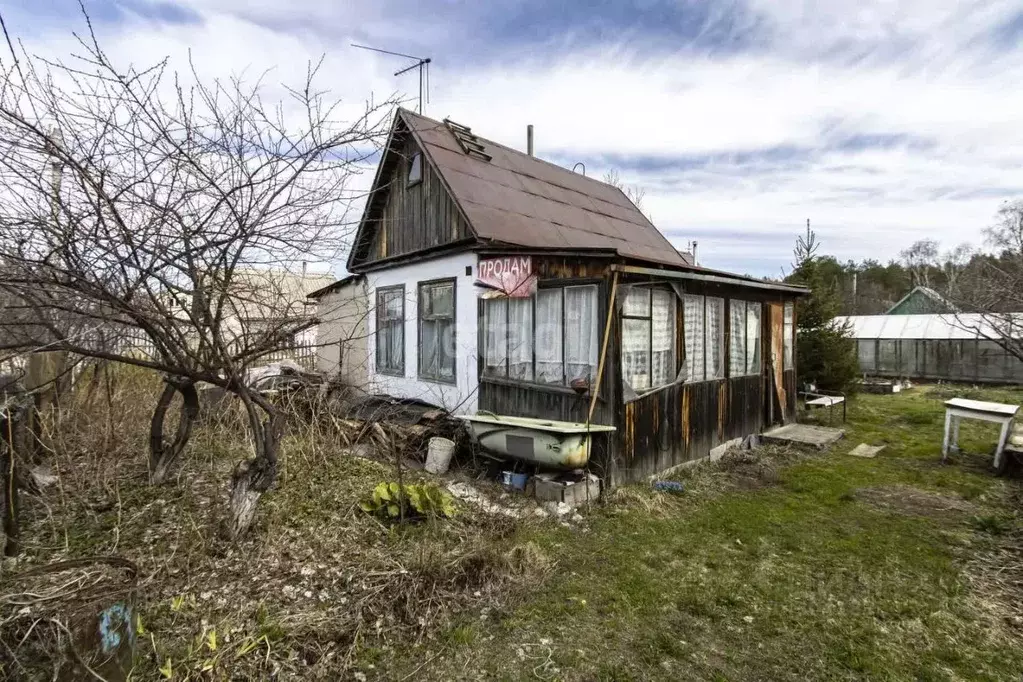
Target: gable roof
{"x":939,"y":301}
{"x":519,"y":200}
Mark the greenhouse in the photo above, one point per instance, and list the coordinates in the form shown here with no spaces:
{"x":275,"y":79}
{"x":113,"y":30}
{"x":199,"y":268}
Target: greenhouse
{"x":951,"y":347}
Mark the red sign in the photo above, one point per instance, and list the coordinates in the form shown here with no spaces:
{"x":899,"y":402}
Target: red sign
{"x":510,"y":275}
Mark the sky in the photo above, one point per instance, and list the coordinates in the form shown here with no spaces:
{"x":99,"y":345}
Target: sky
{"x":881,"y":122}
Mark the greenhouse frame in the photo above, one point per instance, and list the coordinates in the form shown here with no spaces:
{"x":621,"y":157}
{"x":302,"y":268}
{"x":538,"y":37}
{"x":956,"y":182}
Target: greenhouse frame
{"x":949,"y":347}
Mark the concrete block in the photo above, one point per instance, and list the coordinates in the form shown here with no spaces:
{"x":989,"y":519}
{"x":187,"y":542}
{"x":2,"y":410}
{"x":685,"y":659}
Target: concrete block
{"x":573,"y":493}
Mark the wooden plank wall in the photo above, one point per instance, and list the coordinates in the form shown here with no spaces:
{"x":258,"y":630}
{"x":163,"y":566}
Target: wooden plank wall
{"x":408,"y":219}
{"x":685,"y":422}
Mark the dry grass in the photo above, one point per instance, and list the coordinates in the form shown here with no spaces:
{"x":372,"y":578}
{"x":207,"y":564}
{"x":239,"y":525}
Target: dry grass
{"x":316,"y":588}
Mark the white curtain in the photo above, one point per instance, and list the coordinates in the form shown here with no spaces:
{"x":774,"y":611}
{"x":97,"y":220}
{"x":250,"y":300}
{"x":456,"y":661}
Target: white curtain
{"x":635,"y":353}
{"x":753,"y":338}
{"x":662,"y":337}
{"x":737,"y":339}
{"x":636,"y":338}
{"x":520,"y":338}
{"x":495,"y":313}
{"x":637,"y":302}
{"x":549,"y":368}
{"x":715,"y":344}
{"x":430,"y":344}
{"x":581,"y":333}
{"x":692,"y":312}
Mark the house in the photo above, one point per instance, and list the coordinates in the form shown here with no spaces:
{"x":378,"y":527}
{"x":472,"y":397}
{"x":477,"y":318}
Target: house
{"x":343,"y":339}
{"x":261,"y":304}
{"x":263,"y":298}
{"x":945,"y":347}
{"x":499,"y":282}
{"x":922,"y":301}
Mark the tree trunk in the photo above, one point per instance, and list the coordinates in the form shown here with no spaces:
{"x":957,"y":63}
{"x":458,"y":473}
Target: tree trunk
{"x":255,"y":476}
{"x":8,"y":467}
{"x":164,"y":457}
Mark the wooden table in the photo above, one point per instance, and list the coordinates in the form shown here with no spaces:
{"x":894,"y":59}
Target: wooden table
{"x":960,"y":408}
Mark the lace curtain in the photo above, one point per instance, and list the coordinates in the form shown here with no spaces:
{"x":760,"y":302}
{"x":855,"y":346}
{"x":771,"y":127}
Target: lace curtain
{"x":581,"y":339}
{"x":753,"y":338}
{"x":548,"y":336}
{"x":520,"y":338}
{"x":715,"y":342}
{"x":495,"y":322}
{"x":662,"y":342}
{"x":692,"y":314}
{"x":737,"y":339}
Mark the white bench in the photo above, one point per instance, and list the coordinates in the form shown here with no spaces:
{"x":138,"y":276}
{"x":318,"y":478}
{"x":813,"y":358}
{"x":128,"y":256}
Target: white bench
{"x":814,"y":399}
{"x":959,"y":408}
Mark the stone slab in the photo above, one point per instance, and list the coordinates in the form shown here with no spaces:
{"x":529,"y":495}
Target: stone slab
{"x":819,"y":437}
{"x":864,"y":450}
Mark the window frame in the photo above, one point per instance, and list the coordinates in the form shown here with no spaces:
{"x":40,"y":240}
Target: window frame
{"x":383,"y":291}
{"x":426,"y":376}
{"x":649,"y":319}
{"x":788,"y":343}
{"x":560,"y":285}
{"x":409,"y":180}
{"x":748,"y":307}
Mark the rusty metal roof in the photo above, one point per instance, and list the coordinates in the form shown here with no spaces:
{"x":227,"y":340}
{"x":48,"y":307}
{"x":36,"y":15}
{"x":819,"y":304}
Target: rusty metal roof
{"x":524,"y":201}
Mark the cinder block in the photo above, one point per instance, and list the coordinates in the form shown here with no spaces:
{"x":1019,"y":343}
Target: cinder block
{"x":571,"y":493}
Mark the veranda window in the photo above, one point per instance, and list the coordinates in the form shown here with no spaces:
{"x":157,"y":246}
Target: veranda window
{"x":648,"y":337}
{"x":744,"y":338}
{"x":390,"y":331}
{"x":703,"y":317}
{"x":550,"y":338}
{"x":437,"y":330}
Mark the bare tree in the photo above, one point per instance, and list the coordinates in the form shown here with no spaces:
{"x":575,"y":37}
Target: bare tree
{"x":919,"y":259}
{"x":635,"y":193}
{"x":987,"y":288}
{"x":142,"y":201}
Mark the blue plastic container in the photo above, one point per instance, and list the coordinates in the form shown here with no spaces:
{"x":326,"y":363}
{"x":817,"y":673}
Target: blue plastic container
{"x":513,"y":480}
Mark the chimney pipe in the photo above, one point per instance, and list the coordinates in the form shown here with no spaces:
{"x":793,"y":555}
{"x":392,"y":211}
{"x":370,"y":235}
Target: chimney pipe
{"x":529,"y":139}
{"x":695,"y":262}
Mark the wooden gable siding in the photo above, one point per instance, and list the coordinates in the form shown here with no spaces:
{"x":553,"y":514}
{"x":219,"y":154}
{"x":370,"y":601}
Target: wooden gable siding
{"x":412,"y":218}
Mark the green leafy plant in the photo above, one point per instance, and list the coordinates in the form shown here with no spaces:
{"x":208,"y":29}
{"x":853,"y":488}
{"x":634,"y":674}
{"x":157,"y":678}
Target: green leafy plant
{"x":410,"y":501}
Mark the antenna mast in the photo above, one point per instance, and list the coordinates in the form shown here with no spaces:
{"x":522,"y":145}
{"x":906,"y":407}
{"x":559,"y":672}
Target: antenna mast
{"x":422,"y":63}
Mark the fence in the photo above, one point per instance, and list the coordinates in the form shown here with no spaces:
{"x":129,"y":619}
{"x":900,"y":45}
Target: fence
{"x":302,"y":352}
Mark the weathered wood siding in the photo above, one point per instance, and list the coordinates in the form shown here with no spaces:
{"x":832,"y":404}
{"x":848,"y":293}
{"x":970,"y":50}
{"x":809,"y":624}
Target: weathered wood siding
{"x":671,"y":426}
{"x":405,"y":219}
{"x":684,"y":422}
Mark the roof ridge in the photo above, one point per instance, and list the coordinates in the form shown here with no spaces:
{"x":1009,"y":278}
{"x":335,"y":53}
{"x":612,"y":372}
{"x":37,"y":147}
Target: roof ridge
{"x":519,"y":151}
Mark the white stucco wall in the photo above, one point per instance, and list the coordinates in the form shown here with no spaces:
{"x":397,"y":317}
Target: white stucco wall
{"x":342,"y":342}
{"x":460,"y":397}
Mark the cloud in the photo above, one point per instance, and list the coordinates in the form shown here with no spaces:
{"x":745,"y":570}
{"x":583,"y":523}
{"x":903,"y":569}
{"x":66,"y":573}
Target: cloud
{"x":881,"y":122}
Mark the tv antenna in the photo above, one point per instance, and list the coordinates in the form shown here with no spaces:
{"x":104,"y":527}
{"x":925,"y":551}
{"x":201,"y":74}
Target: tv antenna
{"x":422,"y":63}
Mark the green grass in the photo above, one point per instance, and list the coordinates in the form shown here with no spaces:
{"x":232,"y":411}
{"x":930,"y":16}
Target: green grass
{"x":840,"y":568}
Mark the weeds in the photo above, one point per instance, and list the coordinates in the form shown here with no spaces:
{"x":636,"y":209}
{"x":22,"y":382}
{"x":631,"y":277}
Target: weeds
{"x":317,"y":585}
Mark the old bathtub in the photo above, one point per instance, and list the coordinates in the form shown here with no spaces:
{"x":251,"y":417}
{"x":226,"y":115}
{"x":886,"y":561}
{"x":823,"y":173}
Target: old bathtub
{"x":543,"y":441}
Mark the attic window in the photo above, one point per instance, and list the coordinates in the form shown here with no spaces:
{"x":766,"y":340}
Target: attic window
{"x":415,"y":169}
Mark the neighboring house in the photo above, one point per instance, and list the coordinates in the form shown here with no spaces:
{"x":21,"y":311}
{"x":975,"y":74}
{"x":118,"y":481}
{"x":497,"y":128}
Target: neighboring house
{"x":343,"y":341}
{"x":947,"y":347}
{"x":261,"y":299}
{"x":922,"y":301}
{"x":500,"y":282}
